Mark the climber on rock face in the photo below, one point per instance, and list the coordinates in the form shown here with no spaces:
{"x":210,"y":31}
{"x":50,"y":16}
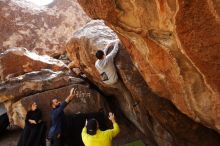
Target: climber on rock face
{"x":106,"y":67}
{"x":57,"y":117}
{"x":105,"y":64}
{"x":92,"y":136}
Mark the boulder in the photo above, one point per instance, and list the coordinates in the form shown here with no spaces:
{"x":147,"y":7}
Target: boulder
{"x":43,"y":29}
{"x":175,"y":47}
{"x":41,"y":86}
{"x":155,"y":116}
{"x":82,"y":48}
{"x":86,"y":101}
{"x":17,"y":61}
{"x":34,"y":82}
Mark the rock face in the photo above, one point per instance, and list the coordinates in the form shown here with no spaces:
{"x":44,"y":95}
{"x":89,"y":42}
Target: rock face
{"x":17,"y":61}
{"x":41,"y":86}
{"x":34,"y":82}
{"x":156,"y":117}
{"x":87,"y":101}
{"x":175,"y":47}
{"x":44,"y":29}
{"x":82,"y":48}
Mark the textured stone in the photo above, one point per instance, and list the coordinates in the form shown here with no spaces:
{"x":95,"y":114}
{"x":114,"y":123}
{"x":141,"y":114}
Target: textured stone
{"x":2,"y":109}
{"x":34,"y":82}
{"x":31,"y":83}
{"x":87,"y":101}
{"x":41,"y":86}
{"x":175,"y":47}
{"x":44,"y":29}
{"x":17,"y":61}
{"x":156,"y":117}
{"x":82,"y":48}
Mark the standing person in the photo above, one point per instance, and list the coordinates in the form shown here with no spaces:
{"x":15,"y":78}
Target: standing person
{"x":106,"y":67}
{"x":57,"y":117}
{"x":92,"y":136}
{"x":34,"y":130}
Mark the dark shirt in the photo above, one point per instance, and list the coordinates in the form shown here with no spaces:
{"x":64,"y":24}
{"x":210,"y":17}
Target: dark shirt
{"x":33,"y":115}
{"x":57,"y":116}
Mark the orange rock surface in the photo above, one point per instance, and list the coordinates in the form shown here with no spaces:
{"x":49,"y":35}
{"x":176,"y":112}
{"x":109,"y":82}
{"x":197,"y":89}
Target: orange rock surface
{"x":154,"y":116}
{"x":17,"y":61}
{"x":175,"y":46}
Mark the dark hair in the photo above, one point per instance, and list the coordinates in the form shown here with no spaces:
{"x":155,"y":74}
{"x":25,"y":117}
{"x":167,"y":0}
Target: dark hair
{"x":30,"y":105}
{"x":51,"y":101}
{"x":99,"y":54}
{"x":92,"y":127}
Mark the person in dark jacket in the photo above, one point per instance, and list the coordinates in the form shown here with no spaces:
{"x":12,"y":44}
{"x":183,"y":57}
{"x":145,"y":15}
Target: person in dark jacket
{"x":57,"y":117}
{"x":34,"y":130}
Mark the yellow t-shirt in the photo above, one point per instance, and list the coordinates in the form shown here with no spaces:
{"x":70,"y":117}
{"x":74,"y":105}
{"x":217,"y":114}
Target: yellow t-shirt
{"x":101,"y":138}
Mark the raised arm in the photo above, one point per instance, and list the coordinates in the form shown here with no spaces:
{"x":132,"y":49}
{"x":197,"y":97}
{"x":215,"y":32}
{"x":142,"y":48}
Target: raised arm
{"x":113,"y":53}
{"x":71,"y":95}
{"x":113,"y":132}
{"x":106,"y":48}
{"x":67,"y":100}
{"x":84,"y":133}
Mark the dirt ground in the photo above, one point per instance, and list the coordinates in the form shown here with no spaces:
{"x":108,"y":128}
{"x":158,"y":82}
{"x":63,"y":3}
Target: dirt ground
{"x":10,"y":137}
{"x":128,"y":134}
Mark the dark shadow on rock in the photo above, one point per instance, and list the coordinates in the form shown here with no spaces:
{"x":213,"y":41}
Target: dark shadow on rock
{"x":74,"y":124}
{"x":4,"y":122}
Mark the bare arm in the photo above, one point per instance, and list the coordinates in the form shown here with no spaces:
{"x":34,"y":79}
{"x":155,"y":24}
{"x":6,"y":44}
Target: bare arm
{"x":84,"y":132}
{"x":113,"y":132}
{"x":70,"y":96}
{"x":64,"y":104}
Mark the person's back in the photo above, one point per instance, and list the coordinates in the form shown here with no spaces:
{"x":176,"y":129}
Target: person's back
{"x":100,"y":138}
